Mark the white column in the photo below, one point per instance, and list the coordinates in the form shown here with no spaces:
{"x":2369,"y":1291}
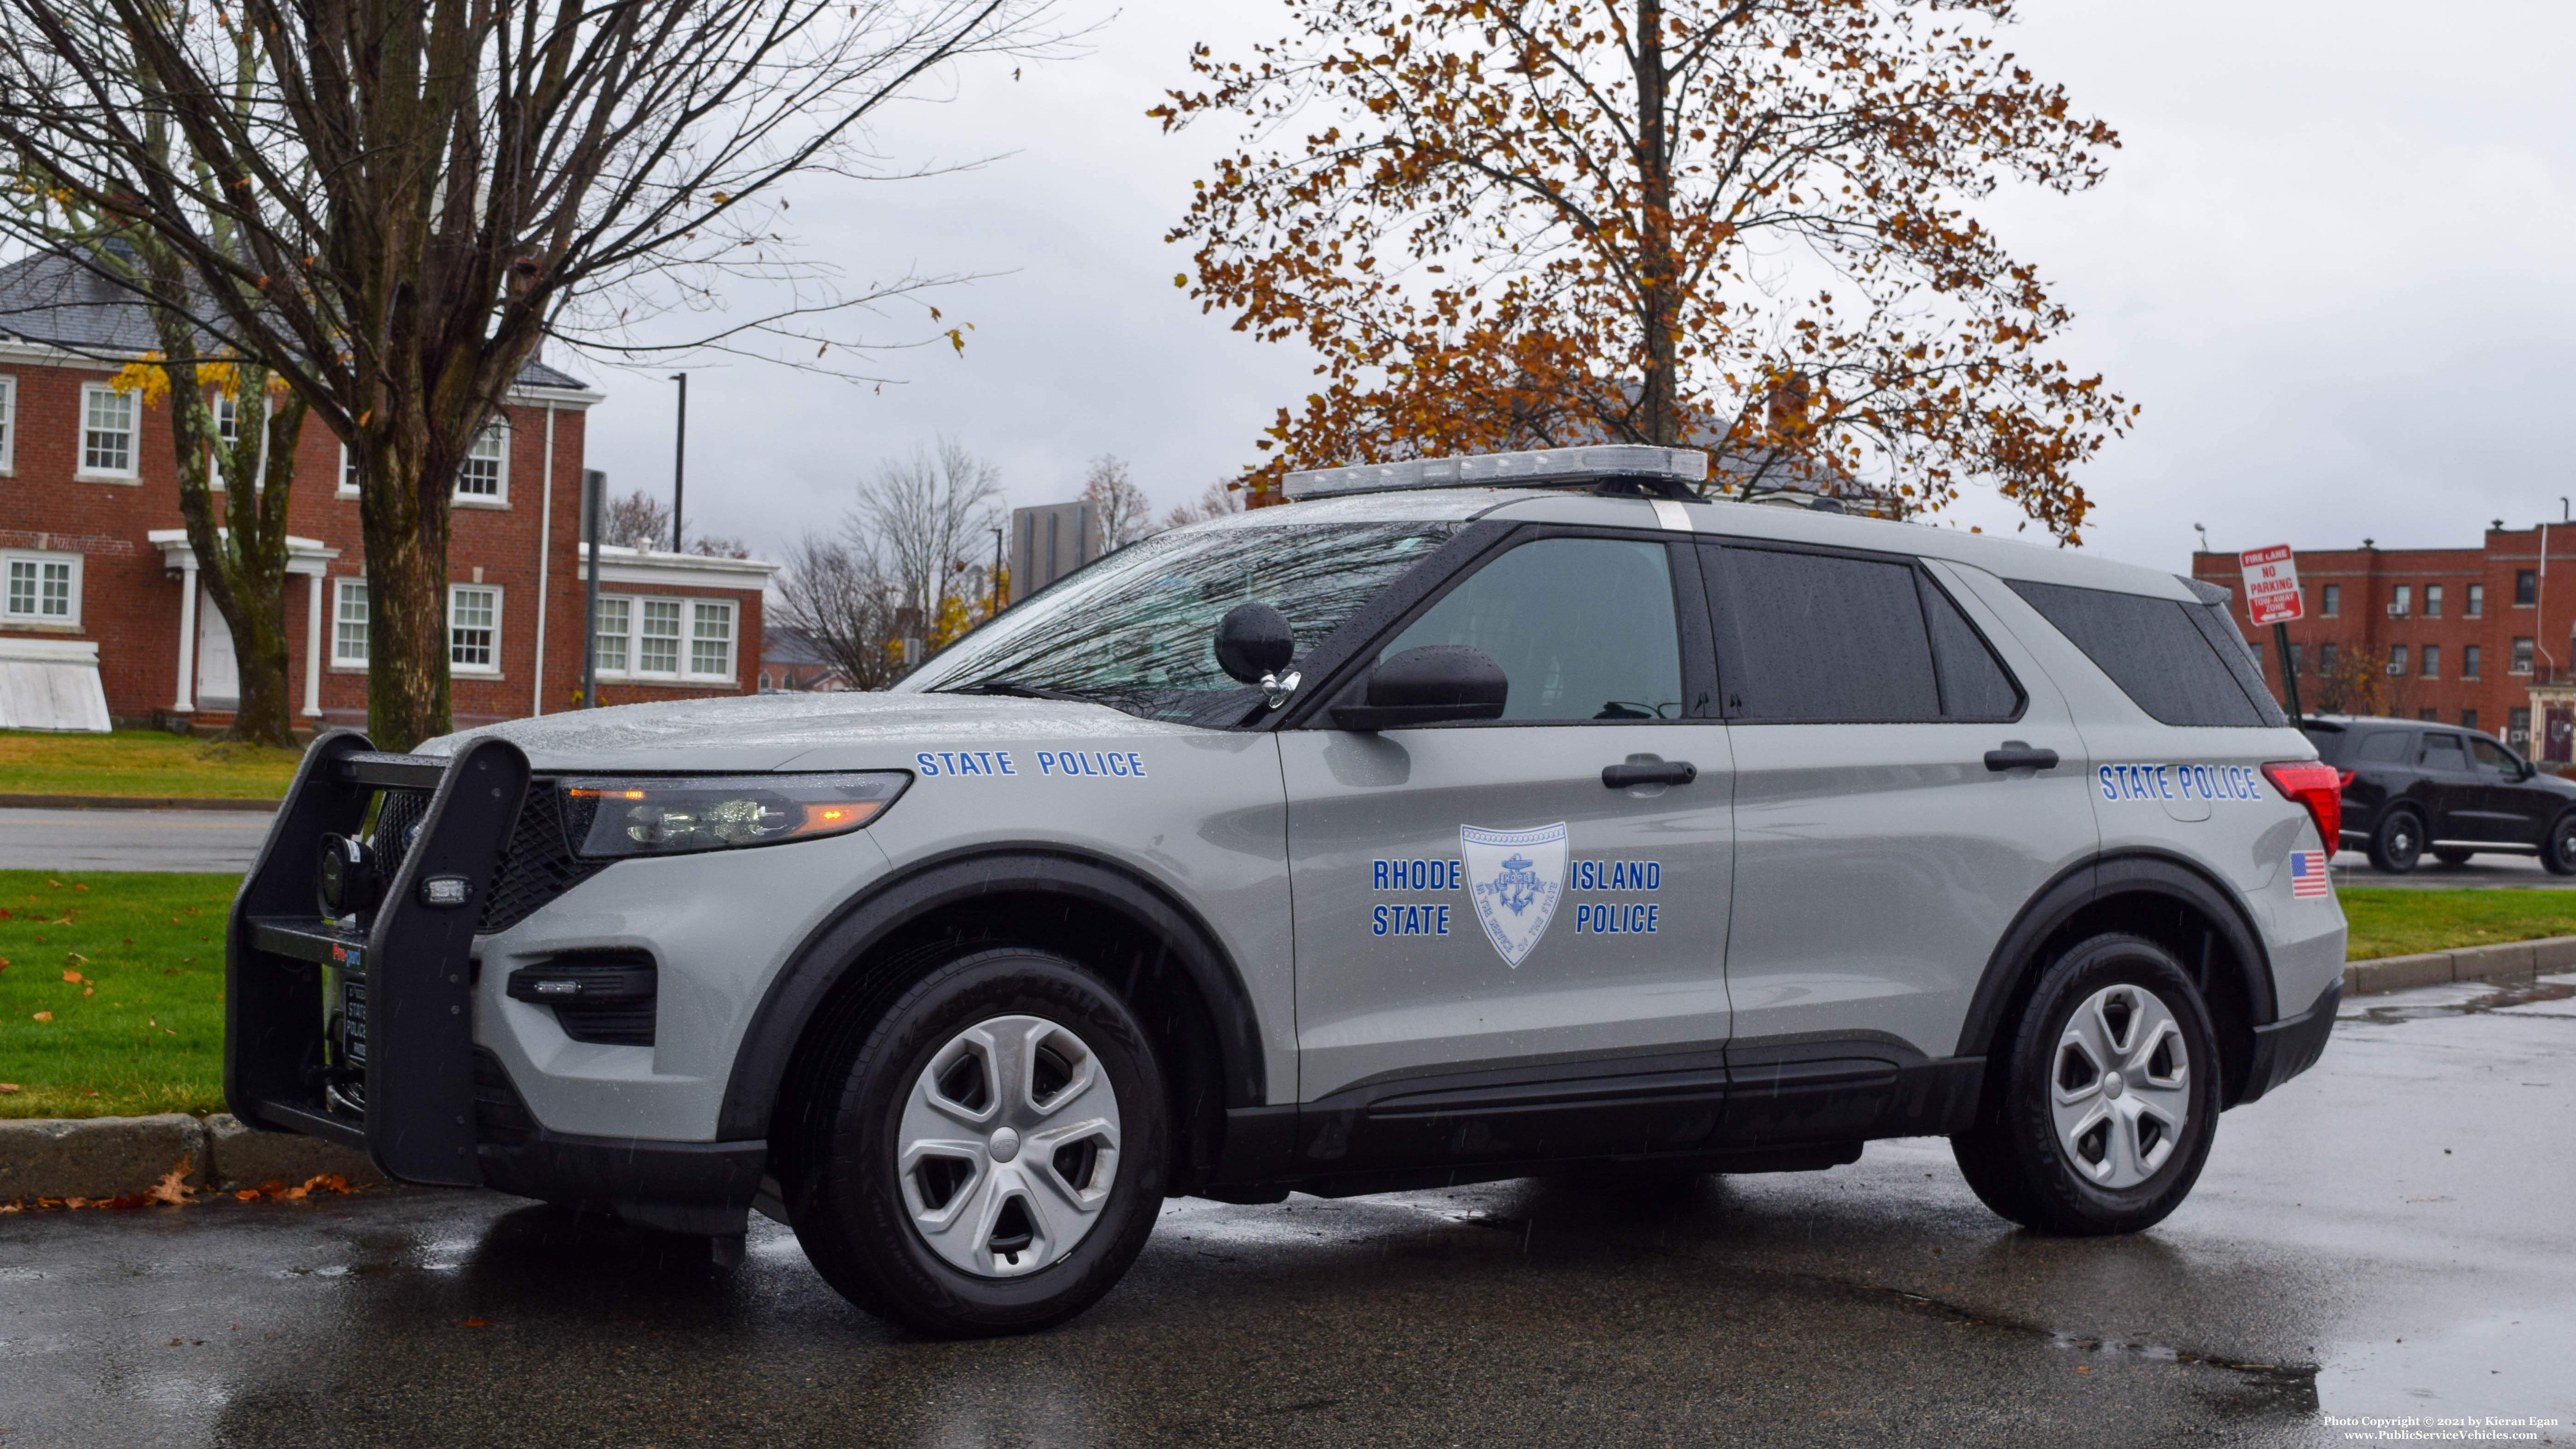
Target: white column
{"x":545,"y":557}
{"x":313,"y":587}
{"x":187,"y":701}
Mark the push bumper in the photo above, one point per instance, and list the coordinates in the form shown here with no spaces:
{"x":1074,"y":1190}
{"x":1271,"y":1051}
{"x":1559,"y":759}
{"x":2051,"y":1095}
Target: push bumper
{"x":360,"y":1028}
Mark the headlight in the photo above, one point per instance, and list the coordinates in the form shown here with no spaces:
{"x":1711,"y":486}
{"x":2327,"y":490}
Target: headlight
{"x":683,"y":814}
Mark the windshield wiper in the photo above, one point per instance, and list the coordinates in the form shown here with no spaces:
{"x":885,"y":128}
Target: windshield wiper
{"x":1013,"y":689}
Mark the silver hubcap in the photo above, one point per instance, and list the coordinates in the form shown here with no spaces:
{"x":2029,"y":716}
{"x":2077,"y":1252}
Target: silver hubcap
{"x":2121,"y":1088}
{"x":1009,"y":1145}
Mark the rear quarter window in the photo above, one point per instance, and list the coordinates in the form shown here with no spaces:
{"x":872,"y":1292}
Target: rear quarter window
{"x":2387,"y":747}
{"x":2171,"y":658}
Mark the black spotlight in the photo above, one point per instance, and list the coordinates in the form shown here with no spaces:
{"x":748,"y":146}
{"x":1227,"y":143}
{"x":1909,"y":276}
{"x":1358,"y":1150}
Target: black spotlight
{"x":348,"y":877}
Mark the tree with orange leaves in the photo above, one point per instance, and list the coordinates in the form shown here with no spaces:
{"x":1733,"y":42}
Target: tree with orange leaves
{"x":1735,"y":224}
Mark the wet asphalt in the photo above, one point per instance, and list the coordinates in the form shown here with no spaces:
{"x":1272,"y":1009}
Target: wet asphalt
{"x":84,"y":840}
{"x":2388,"y":1235}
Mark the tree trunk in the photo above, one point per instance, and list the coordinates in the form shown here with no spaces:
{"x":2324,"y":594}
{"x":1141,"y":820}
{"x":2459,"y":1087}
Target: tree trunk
{"x":1658,"y":411}
{"x":403,"y":515}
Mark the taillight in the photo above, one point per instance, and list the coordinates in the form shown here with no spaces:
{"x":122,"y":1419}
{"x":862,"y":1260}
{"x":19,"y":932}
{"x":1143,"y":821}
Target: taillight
{"x":2319,"y":787}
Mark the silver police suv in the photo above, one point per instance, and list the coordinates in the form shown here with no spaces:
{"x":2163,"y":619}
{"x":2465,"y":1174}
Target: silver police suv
{"x":1468,"y":819}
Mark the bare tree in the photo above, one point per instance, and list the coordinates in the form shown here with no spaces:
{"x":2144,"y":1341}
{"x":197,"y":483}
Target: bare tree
{"x":835,"y":595}
{"x":921,"y":518}
{"x":417,"y":195}
{"x":637,"y":520}
{"x":1126,"y":515}
{"x":1221,"y":497}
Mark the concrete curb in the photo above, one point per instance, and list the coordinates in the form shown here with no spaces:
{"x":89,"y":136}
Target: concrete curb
{"x":131,"y":802}
{"x":2511,"y":961}
{"x":104,"y":1157}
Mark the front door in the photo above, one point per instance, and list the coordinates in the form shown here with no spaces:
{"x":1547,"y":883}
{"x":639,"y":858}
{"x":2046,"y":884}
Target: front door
{"x":2455,"y":792}
{"x":218,"y":671}
{"x":1475,"y":897}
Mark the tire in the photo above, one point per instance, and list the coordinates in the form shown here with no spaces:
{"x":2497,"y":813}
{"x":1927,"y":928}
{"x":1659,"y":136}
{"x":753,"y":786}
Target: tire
{"x":2558,"y":847}
{"x":2448,"y":856}
{"x":982,"y":1235}
{"x":2054,"y":1148}
{"x":2398,"y":842}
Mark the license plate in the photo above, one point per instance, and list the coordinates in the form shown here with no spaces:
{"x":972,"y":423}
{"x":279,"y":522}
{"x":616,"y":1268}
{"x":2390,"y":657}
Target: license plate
{"x":353,"y":1023}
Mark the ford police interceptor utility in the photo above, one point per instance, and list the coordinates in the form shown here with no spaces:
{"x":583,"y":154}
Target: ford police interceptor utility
{"x":1470,"y":818}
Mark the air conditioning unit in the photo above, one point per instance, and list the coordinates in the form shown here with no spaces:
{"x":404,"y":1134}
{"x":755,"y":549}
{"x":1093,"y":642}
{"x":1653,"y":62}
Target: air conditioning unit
{"x":2397,"y":611}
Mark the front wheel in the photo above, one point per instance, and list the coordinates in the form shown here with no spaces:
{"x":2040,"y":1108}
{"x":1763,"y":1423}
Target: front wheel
{"x":2558,"y":849}
{"x":2107,"y":1099}
{"x":2398,"y":843}
{"x":987,"y":1156}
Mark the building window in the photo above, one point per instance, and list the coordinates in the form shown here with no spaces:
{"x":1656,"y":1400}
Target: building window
{"x":658,"y":650}
{"x":2526,"y":586}
{"x":473,"y":629}
{"x":2432,"y":661}
{"x":349,"y":624}
{"x":486,"y":464}
{"x":2477,"y":601}
{"x":2517,"y":726}
{"x":107,"y":431}
{"x":2468,"y":719}
{"x":2397,"y":659}
{"x":2470,"y":657}
{"x":2333,"y":603}
{"x":2428,"y":715}
{"x":2298,"y":659}
{"x":616,"y":621}
{"x":2401,"y":599}
{"x":673,"y":639}
{"x":348,"y":472}
{"x":2432,"y":601}
{"x":44,"y":588}
{"x":2325,"y":659}
{"x":2521,"y":656}
{"x":711,"y":640}
{"x":8,"y":422}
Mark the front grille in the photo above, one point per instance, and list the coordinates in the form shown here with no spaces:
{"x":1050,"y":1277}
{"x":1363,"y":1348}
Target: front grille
{"x":537,"y":866}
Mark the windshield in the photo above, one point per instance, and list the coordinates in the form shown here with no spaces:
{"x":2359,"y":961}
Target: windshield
{"x":1137,"y":630}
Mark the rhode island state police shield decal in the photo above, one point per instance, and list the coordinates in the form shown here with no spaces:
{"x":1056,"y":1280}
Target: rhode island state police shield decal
{"x":1515,"y":878}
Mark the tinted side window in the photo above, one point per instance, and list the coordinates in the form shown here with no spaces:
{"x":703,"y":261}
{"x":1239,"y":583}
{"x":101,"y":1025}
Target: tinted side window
{"x":2330,"y":742}
{"x":1974,"y":685}
{"x":1821,"y":638}
{"x":1583,"y":628}
{"x":2443,"y":752}
{"x":2388,"y":747}
{"x":2157,"y":652}
{"x":2494,"y":759}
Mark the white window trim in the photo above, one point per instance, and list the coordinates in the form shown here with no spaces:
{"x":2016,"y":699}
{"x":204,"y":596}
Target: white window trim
{"x":8,"y":424}
{"x":81,"y":471}
{"x":339,"y":597}
{"x":474,"y":671}
{"x":688,"y":638}
{"x":40,"y":558}
{"x":340,"y":487}
{"x":500,"y":422}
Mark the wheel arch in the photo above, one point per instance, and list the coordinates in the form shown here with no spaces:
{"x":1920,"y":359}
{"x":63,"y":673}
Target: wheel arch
{"x":2163,"y":898}
{"x":1166,"y":959}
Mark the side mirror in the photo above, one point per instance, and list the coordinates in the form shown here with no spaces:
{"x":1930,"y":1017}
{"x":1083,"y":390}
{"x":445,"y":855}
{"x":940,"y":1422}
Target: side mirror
{"x":1253,"y":641}
{"x":1436,"y":684}
{"x":2524,"y":769}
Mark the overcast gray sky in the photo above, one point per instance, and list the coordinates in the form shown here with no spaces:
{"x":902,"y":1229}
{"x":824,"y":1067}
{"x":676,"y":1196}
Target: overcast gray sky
{"x":2331,"y":260}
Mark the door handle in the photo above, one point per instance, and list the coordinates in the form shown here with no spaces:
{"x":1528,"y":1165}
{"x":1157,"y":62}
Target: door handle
{"x":2018,"y":756}
{"x":1662,"y":772}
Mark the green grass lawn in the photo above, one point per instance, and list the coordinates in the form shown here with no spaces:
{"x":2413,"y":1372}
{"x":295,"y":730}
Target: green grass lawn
{"x":142,"y":1029}
{"x":141,"y":762}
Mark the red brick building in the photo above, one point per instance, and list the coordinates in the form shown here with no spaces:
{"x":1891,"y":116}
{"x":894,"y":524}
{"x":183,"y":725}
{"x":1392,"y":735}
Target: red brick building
{"x":2484,"y":637}
{"x":97,"y":580}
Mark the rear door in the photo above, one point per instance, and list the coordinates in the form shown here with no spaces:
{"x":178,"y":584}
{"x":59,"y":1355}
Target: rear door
{"x":1879,"y":855}
{"x":2454,"y":793}
{"x":1475,"y":896}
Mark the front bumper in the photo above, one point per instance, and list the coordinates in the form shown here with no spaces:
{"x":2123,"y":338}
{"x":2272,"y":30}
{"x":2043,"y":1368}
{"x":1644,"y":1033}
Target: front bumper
{"x":361,"y":1029}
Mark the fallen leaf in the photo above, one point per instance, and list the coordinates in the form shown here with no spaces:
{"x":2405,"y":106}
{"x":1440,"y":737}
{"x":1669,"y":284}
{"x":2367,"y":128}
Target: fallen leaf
{"x":172,"y":1187}
{"x":173,"y":971}
{"x":70,"y":975}
{"x":7,"y":1087}
{"x":475,"y":1323}
{"x":79,"y":887}
{"x":44,"y":1016}
{"x":88,"y":991}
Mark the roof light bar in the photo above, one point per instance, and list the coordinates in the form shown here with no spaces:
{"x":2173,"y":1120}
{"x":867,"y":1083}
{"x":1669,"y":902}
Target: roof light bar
{"x":1533,"y":468}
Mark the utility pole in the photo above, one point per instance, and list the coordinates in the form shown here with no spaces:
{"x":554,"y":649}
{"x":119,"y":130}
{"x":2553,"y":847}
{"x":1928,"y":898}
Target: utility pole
{"x":594,"y":485}
{"x":679,"y":458}
{"x":998,"y":600}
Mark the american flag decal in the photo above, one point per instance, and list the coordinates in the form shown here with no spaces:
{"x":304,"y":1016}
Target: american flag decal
{"x":2308,"y":873}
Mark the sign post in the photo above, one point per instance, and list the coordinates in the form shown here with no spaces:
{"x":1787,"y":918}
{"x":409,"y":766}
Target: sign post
{"x":2272,"y":597}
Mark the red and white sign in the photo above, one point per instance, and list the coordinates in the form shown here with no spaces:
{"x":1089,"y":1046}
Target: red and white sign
{"x":2272,"y":585}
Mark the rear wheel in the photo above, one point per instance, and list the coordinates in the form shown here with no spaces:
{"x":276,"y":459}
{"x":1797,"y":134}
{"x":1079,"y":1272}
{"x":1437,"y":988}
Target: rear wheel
{"x":2398,"y":842}
{"x":2448,"y":856}
{"x":2558,"y":848}
{"x":988,"y":1155}
{"x":2106,"y":1102}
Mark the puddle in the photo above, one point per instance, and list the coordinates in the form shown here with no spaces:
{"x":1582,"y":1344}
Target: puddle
{"x":2400,"y":1010}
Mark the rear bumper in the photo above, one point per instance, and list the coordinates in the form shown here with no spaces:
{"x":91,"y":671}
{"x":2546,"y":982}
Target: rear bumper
{"x":2291,"y":1045}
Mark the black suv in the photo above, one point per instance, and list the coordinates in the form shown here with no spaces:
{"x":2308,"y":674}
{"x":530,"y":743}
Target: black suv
{"x":2409,"y":786}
